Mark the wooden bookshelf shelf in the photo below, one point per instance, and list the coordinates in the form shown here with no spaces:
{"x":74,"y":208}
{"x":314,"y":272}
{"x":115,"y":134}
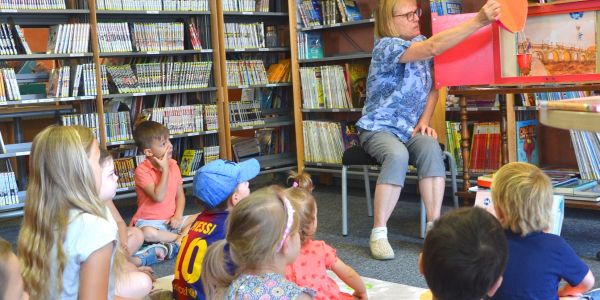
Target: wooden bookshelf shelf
{"x":473,"y":108}
{"x":275,"y":162}
{"x":272,"y":49}
{"x":336,"y":58}
{"x":15,"y":150}
{"x":167,"y":92}
{"x":255,"y":13}
{"x":338,"y":25}
{"x":151,"y":12}
{"x":155,"y":53}
{"x":172,"y":136}
{"x":266,"y":125}
{"x":45,"y":11}
{"x":331,"y":110}
{"x":43,"y":56}
{"x":47,"y":100}
{"x":188,"y":134}
{"x":260,"y":85}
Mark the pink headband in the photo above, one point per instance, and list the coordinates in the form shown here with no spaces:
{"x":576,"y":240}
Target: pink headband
{"x":295,"y":184}
{"x":290,"y":221}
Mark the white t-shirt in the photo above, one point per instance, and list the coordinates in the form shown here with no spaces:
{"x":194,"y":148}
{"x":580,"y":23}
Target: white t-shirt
{"x":86,"y":233}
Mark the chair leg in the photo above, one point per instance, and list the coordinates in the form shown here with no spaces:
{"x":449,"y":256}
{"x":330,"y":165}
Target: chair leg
{"x":453,"y":175}
{"x":368,"y":190}
{"x":423,"y":219}
{"x":344,"y":200}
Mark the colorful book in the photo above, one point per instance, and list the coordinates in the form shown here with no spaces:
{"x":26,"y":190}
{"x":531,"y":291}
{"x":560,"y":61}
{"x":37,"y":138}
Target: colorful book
{"x":527,"y":144}
{"x":571,"y":186}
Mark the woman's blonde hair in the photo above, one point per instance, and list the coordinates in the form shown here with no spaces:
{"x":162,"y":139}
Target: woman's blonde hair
{"x":384,"y":14}
{"x":60,"y":179}
{"x":255,"y":228}
{"x":300,"y":194}
{"x":523,"y":193}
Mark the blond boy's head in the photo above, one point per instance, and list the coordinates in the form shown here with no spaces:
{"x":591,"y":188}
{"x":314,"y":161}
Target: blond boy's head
{"x":522,"y":195}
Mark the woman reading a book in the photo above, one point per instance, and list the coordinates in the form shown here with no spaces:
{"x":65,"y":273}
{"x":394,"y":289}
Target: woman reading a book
{"x":401,"y":99}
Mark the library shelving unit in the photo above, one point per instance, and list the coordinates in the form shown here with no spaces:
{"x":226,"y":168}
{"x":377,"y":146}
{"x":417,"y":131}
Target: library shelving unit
{"x":25,"y":107}
{"x":192,"y":46}
{"x":509,"y":91}
{"x":258,"y":109}
{"x":186,"y":61}
{"x":342,"y":43}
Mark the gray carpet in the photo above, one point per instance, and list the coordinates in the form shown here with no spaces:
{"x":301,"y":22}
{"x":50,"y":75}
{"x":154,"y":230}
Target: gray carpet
{"x":580,"y":231}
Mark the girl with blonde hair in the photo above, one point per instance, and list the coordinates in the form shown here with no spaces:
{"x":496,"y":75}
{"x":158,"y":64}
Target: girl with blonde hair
{"x":316,"y":257}
{"x":68,"y":237}
{"x":262,"y":238}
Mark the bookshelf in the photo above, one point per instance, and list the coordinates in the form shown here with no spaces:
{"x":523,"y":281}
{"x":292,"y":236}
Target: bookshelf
{"x":22,"y":118}
{"x":345,"y":42}
{"x":256,"y":39}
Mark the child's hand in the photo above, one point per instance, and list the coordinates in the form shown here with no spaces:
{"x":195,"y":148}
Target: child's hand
{"x":360,"y":295}
{"x":175,"y":222}
{"x":163,"y":163}
{"x":148,"y":271}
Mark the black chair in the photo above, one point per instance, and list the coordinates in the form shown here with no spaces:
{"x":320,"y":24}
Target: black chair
{"x":356,"y":156}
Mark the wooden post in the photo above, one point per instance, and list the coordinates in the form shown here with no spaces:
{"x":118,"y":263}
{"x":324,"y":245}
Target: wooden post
{"x":297,"y":97}
{"x":96,"y":60}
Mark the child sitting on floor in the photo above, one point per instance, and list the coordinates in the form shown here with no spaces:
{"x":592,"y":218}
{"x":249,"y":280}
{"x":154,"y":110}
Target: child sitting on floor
{"x":316,"y":257}
{"x":159,"y":189}
{"x":262,"y":238}
{"x":11,"y":282}
{"x":219,"y":186}
{"x":464,"y":255}
{"x":131,"y":282}
{"x":538,"y":261}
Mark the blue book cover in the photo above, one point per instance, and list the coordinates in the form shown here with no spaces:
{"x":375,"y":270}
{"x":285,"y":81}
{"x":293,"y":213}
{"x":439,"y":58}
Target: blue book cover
{"x":314,"y":45}
{"x":527,"y":144}
{"x":352,"y":10}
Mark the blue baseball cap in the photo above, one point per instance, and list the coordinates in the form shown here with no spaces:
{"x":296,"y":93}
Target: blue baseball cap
{"x":215,"y":181}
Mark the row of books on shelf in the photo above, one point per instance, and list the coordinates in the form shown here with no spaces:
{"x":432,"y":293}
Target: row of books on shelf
{"x":12,"y":40}
{"x":246,"y":72}
{"x":69,"y":38}
{"x":325,"y":87}
{"x":310,"y":45}
{"x":326,"y":12}
{"x":587,"y":150}
{"x":485,"y":145}
{"x":185,"y":119}
{"x":535,"y":99}
{"x":154,"y":77}
{"x":242,"y":113}
{"x":32,"y":4}
{"x":325,"y":142}
{"x":154,"y":5}
{"x":117,"y":125}
{"x":334,"y":86}
{"x":83,"y":83}
{"x":245,"y":35}
{"x":246,"y":5}
{"x":125,"y":37}
{"x":125,"y":170}
{"x":9,"y":88}
{"x":194,"y":159}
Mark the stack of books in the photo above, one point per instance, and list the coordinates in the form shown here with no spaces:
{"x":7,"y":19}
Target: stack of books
{"x":578,"y":189}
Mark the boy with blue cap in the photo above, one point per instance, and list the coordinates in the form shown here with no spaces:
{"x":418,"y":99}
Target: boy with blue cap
{"x":219,"y":186}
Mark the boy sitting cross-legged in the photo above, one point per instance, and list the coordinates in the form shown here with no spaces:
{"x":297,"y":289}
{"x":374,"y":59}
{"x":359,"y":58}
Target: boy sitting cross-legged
{"x":158,"y":185}
{"x":219,"y":186}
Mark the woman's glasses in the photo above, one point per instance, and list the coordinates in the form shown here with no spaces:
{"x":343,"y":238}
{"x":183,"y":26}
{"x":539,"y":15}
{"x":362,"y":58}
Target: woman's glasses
{"x":411,"y":16}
